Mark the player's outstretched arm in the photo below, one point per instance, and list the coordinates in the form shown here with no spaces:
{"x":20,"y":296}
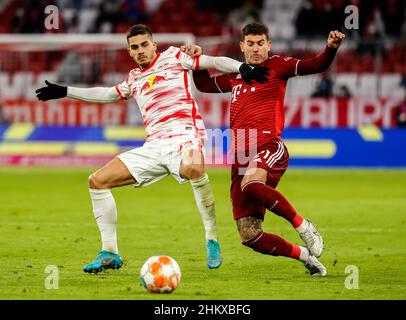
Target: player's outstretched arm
{"x":225,"y":65}
{"x":51,"y":91}
{"x":228,"y":65}
{"x":202,"y":79}
{"x":322,"y":61}
{"x":94,"y":95}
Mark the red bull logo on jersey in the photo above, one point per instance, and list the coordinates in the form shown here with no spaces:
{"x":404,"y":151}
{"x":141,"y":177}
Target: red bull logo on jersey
{"x":151,"y":82}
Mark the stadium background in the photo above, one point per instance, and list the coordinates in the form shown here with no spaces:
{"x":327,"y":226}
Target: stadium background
{"x":352,"y":116}
{"x":363,"y":92}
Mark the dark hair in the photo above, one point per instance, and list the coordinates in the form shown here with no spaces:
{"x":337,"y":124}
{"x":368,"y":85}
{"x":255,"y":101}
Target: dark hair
{"x":255,"y":28}
{"x":137,"y":29}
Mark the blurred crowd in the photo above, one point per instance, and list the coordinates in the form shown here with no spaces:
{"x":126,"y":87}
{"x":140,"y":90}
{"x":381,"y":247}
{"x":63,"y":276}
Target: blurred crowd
{"x":287,"y":20}
{"x":301,"y":18}
{"x":379,"y":20}
{"x":376,"y":17}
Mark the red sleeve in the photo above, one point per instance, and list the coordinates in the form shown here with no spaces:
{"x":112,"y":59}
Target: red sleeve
{"x":285,"y":67}
{"x":205,"y":83}
{"x":320,"y":63}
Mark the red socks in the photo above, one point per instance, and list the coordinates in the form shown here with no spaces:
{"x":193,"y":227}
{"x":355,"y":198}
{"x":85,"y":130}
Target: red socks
{"x":273,"y":201}
{"x":268,"y":243}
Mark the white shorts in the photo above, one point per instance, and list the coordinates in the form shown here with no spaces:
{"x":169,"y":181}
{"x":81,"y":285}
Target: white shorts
{"x":157,"y":159}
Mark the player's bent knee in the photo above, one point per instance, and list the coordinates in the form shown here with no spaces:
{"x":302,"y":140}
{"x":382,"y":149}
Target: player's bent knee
{"x":248,"y":234}
{"x":247,"y":231}
{"x":194,"y":171}
{"x":90,"y":182}
{"x":96,"y":183}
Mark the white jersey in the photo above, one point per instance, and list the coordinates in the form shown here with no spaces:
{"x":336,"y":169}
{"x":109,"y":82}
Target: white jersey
{"x":162,"y":92}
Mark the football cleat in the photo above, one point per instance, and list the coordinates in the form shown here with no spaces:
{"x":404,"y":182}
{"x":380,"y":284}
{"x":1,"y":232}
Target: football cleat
{"x":214,"y":259}
{"x":315,"y":267}
{"x":104,"y":260}
{"x":312,"y":239}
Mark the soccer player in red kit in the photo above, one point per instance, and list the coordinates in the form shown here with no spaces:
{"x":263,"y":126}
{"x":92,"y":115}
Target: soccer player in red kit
{"x":257,"y":112}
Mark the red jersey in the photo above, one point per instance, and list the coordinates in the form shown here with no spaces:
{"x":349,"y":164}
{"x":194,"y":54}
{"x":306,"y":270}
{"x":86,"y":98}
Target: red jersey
{"x":257,"y":110}
{"x":256,"y":114}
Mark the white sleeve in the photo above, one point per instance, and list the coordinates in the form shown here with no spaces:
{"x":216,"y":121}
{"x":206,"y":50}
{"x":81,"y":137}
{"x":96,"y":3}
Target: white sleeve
{"x":187,"y":61}
{"x":222,"y":64}
{"x":95,"y":95}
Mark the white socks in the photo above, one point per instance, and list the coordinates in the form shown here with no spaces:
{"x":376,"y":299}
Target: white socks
{"x":303,"y":226}
{"x":105,"y":213}
{"x":205,"y":203}
{"x":304,"y":254}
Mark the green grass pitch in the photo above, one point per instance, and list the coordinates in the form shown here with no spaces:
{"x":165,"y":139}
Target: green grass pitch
{"x":46,"y":219}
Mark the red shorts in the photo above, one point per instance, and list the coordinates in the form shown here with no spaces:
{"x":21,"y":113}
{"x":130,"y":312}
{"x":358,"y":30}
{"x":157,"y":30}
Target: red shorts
{"x":273,"y":157}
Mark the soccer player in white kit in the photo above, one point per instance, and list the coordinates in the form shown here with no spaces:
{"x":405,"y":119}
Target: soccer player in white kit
{"x":175,"y":136}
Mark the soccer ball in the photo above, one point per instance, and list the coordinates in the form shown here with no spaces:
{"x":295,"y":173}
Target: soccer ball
{"x":160,"y":274}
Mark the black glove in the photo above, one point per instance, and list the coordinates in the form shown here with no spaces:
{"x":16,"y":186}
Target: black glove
{"x":249,"y":73}
{"x":51,"y":91}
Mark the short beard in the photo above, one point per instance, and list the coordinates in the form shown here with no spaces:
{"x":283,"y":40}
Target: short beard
{"x":144,"y":65}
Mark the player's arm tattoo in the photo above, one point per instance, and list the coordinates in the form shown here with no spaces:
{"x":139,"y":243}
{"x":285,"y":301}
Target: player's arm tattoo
{"x":249,"y":227}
